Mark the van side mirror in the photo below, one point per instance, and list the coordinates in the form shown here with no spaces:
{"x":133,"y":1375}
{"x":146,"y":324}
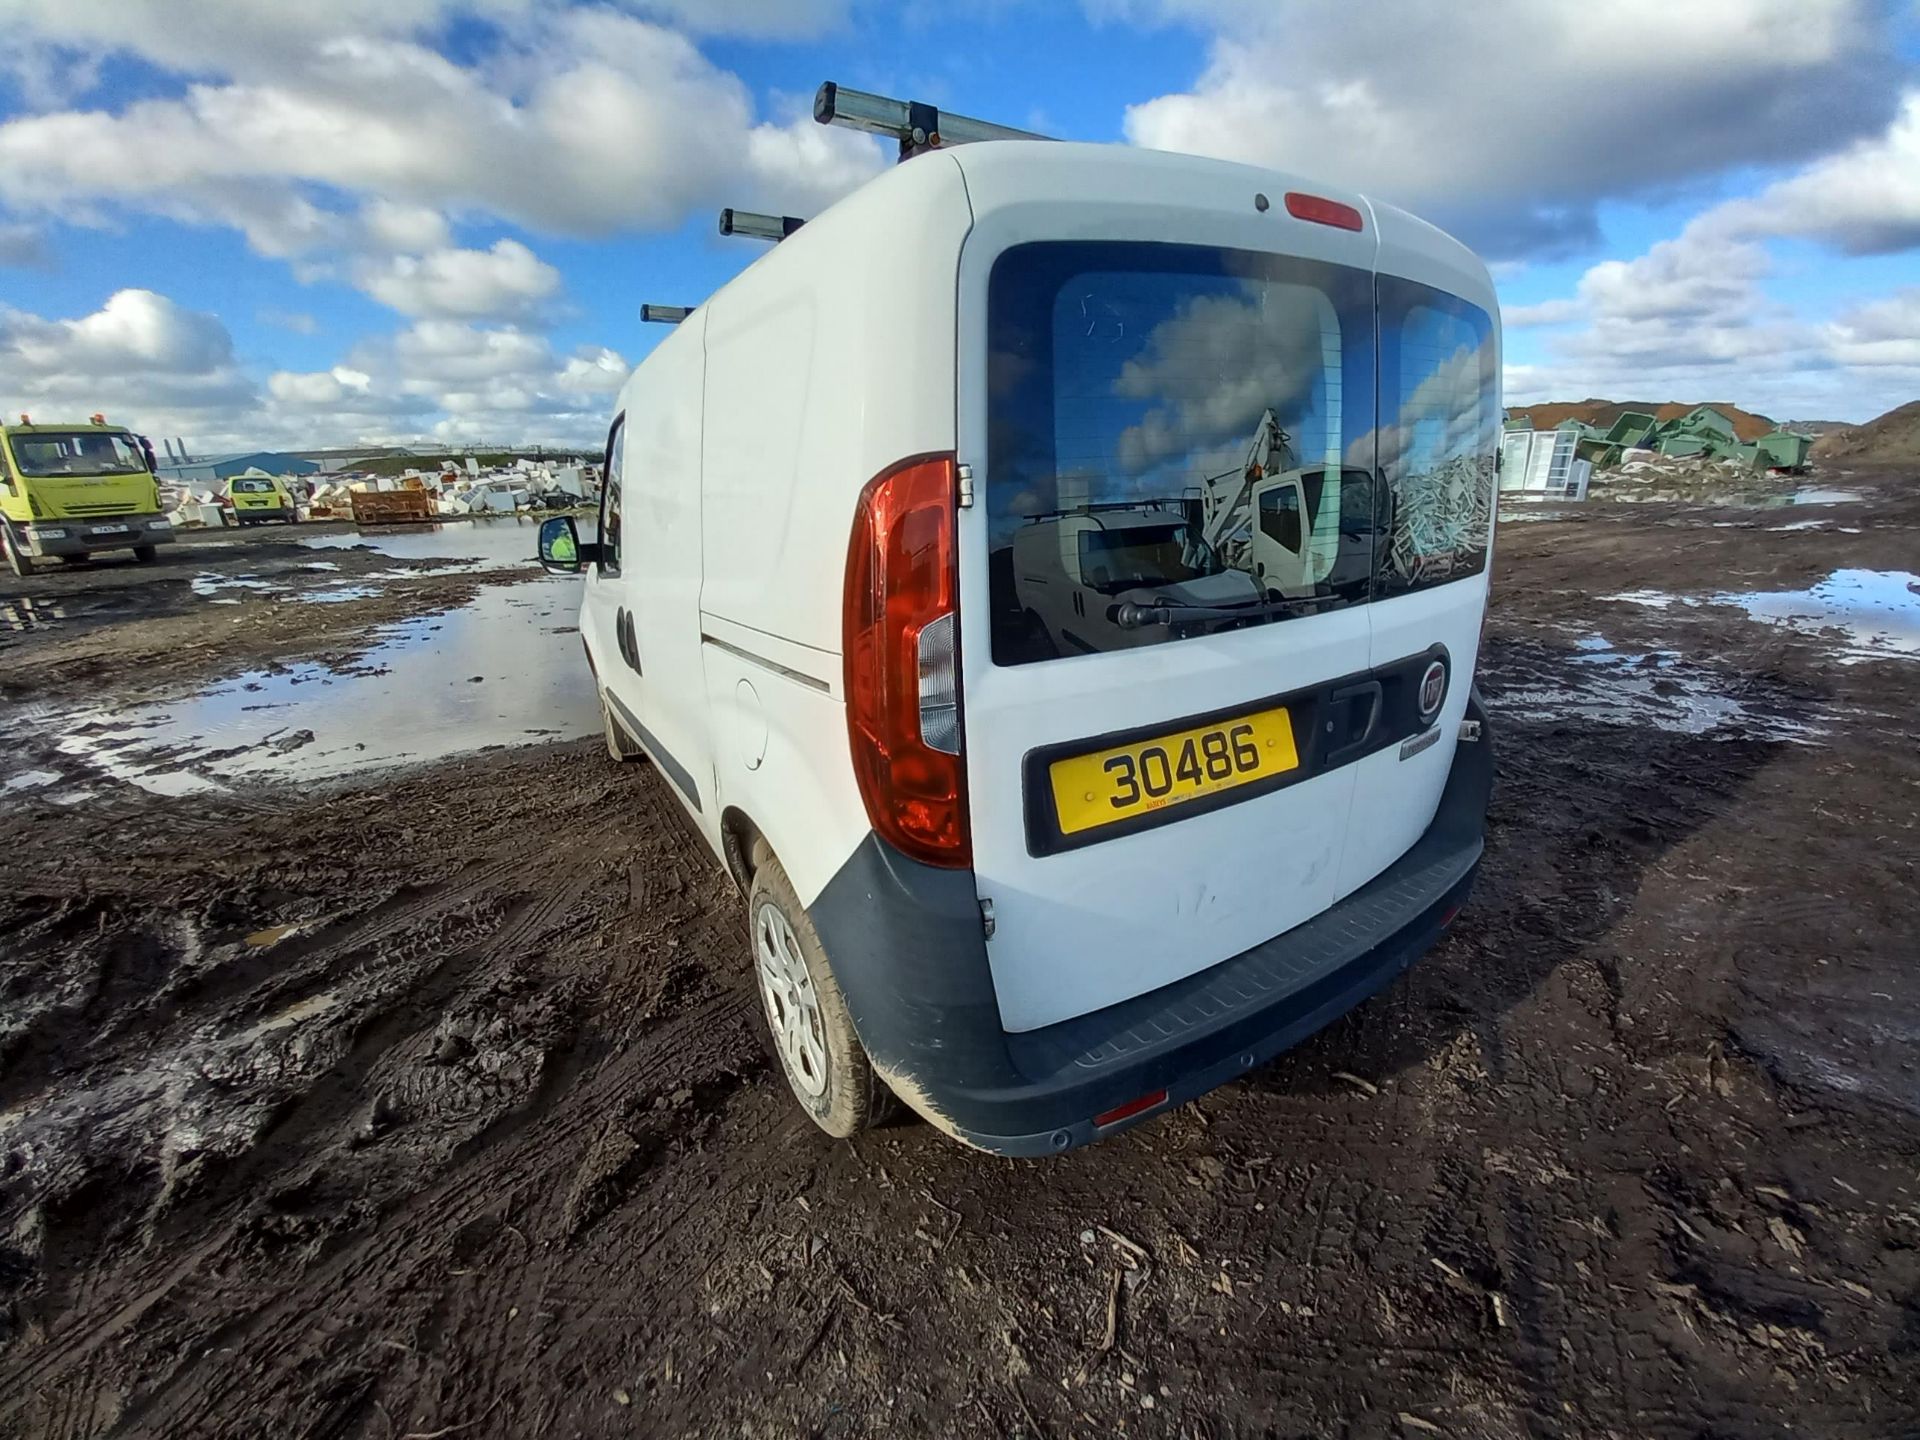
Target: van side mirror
{"x":560,"y":548}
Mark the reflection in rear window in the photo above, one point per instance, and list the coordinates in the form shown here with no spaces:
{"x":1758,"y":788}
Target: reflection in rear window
{"x":1184,"y":439}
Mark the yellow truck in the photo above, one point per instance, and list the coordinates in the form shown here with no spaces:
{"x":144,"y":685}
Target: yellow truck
{"x":74,"y":490}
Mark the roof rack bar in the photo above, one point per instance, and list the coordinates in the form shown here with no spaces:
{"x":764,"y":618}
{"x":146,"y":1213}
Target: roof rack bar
{"x":664,"y":314}
{"x":915,"y":125}
{"x":757,"y":226}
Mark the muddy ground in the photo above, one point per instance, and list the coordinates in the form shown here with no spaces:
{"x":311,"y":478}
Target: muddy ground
{"x":432,"y":1103}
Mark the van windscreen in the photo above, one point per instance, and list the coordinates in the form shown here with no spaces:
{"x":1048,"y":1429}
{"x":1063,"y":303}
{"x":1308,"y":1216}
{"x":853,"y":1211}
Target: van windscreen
{"x":1183,"y":439}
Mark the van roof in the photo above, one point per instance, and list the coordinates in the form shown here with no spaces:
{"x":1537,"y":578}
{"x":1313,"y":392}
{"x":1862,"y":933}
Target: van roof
{"x":997,"y":173}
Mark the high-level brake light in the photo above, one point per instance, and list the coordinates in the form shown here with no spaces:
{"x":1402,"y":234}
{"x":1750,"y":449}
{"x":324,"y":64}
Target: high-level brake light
{"x":915,"y":125}
{"x":756,"y":226}
{"x":1322,"y":211}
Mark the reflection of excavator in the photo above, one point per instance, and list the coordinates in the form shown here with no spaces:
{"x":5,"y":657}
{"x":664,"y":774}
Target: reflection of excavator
{"x":1280,"y":522}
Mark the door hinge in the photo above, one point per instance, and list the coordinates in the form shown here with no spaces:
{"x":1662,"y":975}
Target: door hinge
{"x":965,"y":475}
{"x":1469,"y":731}
{"x":986,"y":918}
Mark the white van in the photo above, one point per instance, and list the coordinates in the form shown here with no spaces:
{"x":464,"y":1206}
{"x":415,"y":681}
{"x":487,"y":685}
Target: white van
{"x":1039,"y":879}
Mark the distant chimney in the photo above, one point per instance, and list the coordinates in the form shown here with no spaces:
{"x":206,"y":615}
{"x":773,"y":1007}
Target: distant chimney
{"x":172,"y":459}
{"x":184,"y":457}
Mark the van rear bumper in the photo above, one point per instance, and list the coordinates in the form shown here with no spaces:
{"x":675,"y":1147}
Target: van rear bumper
{"x":83,"y":537}
{"x":910,"y":957}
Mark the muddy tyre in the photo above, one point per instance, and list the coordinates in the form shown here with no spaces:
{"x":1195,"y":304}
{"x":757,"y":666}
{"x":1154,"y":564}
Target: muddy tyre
{"x":146,"y":554}
{"x":620,"y":745}
{"x":18,"y":560}
{"x":808,"y":1027}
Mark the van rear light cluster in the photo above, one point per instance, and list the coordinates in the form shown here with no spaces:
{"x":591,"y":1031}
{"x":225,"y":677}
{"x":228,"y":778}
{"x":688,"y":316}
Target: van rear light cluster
{"x":900,"y":640}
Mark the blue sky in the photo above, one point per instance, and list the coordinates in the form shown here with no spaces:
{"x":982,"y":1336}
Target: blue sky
{"x":436,"y":219}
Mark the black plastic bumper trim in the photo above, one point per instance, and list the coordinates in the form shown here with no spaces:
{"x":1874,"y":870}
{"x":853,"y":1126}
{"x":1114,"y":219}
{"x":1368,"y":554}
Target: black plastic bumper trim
{"x":907,"y":949}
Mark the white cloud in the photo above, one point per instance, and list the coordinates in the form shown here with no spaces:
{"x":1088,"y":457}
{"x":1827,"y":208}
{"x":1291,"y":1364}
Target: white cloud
{"x":580,"y":123}
{"x":167,"y":370}
{"x":1864,"y":200}
{"x":507,"y":282}
{"x":1510,"y":123}
{"x":138,"y":357}
{"x":223,"y":36}
{"x":596,"y":370}
{"x":389,"y":225}
{"x":1547,"y":312}
{"x":135,"y":333}
{"x":1880,"y":332}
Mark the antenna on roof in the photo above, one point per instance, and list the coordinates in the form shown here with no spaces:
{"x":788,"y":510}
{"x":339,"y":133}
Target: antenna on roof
{"x":915,"y":125}
{"x":757,"y":226}
{"x":665,"y":314}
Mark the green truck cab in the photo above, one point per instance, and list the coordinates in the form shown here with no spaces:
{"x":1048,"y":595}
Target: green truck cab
{"x":73,"y":490}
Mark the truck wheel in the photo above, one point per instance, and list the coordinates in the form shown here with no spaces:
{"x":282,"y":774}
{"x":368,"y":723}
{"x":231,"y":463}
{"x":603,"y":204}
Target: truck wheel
{"x":812,"y":1035}
{"x":620,"y":745}
{"x":146,"y":554}
{"x":18,"y":560}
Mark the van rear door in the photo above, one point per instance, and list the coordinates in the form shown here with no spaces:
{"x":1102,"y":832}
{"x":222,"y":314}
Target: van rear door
{"x":1160,"y":777}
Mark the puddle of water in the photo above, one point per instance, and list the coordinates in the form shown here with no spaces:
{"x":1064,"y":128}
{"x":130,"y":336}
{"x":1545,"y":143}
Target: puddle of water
{"x":1816,"y":495}
{"x":31,"y":780}
{"x":338,"y":595}
{"x":1516,"y":517}
{"x":1877,"y":610}
{"x":473,"y":545}
{"x":1652,"y":689}
{"x":411,"y":697}
{"x":207,"y":584}
{"x":1652,"y":599}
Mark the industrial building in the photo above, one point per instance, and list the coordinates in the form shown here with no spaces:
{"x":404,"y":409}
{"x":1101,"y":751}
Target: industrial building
{"x":214,"y":469}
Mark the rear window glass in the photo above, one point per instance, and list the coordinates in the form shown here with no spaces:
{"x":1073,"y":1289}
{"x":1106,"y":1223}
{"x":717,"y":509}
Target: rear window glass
{"x":1183,"y":439}
{"x":1440,"y":435}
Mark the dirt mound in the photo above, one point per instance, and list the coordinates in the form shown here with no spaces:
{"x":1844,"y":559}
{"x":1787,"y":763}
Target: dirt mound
{"x":1602,"y":413}
{"x":1893,"y":439}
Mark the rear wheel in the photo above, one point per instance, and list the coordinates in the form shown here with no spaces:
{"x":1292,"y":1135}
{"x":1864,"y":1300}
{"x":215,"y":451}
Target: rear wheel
{"x":146,"y":554}
{"x":812,"y":1034}
{"x":18,"y":560}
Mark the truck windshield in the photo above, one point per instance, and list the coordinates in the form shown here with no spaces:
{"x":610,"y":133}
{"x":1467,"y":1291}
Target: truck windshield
{"x":75,"y":452}
{"x":1322,"y":437}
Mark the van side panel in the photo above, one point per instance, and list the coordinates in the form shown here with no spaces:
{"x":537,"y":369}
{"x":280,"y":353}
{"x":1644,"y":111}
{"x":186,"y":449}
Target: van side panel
{"x":659,"y":582}
{"x":830,"y":359}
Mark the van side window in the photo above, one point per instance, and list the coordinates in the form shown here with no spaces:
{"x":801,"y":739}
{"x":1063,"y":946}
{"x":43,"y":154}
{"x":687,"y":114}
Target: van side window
{"x":610,"y":498}
{"x":1439,"y":435}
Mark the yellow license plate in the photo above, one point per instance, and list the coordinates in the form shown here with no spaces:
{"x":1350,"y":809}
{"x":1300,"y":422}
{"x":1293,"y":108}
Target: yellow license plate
{"x":1149,"y":775}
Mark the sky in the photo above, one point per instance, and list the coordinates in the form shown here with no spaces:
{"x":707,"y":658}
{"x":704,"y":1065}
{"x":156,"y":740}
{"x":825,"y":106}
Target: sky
{"x":249,"y":223}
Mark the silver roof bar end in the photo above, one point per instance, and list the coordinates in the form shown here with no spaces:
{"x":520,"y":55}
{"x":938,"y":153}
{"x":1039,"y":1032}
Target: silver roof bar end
{"x":757,"y":226}
{"x":915,"y":125}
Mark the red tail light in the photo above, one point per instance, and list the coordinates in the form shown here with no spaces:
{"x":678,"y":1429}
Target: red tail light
{"x":901,"y":641}
{"x":1323,"y":211}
